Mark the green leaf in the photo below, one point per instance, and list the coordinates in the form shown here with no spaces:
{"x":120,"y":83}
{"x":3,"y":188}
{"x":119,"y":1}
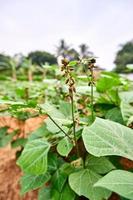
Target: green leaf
{"x":19,"y":142}
{"x":52,"y":110}
{"x":3,"y":131}
{"x":58,"y":180}
{"x":30,"y":182}
{"x":33,"y":159}
{"x":39,"y":133}
{"x":118,"y":181}
{"x":126,"y":110}
{"x":100,"y":165}
{"x":65,"y":108}
{"x":66,"y":193}
{"x":115,"y":115}
{"x":82,"y":183}
{"x":73,"y":63}
{"x":107,"y":82}
{"x":7,"y":138}
{"x":45,"y":193}
{"x":52,"y":162}
{"x":126,"y":96}
{"x":52,"y":127}
{"x":105,"y":137}
{"x":64,"y":146}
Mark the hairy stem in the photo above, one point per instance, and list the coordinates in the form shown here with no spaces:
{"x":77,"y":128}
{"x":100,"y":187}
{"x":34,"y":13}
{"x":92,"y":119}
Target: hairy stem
{"x":92,"y":94}
{"x":59,"y":127}
{"x":74,"y":126}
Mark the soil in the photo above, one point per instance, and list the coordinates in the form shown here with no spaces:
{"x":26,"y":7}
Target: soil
{"x":9,"y":177}
{"x":10,"y":173}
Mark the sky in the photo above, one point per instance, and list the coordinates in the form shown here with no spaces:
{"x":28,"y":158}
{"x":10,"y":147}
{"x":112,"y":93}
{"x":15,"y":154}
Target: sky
{"x":28,"y":25}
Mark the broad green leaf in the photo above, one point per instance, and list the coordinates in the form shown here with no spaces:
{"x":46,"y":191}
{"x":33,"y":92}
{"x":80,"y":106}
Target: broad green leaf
{"x":65,"y":108}
{"x":100,"y":165}
{"x":53,"y":128}
{"x":82,"y":183}
{"x":52,"y":110}
{"x":45,"y":193}
{"x":39,"y":133}
{"x":126,"y":110}
{"x":106,"y":83}
{"x":65,"y":194}
{"x":53,"y":162}
{"x":118,"y":181}
{"x":64,"y":146}
{"x":58,"y":180}
{"x":33,"y":159}
{"x":106,"y":137}
{"x":115,"y":115}
{"x":30,"y":182}
{"x":126,"y":96}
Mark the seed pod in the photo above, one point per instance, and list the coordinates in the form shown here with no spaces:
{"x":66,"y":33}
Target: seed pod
{"x":74,"y":89}
{"x":67,"y":81}
{"x":65,"y":62}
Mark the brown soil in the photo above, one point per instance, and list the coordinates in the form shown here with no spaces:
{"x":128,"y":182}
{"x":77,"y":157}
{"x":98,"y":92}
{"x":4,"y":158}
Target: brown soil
{"x":9,"y":171}
{"x":9,"y":177}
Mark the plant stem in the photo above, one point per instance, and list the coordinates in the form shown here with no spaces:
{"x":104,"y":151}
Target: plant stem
{"x":92,"y":95}
{"x":74,"y":126}
{"x":59,"y":127}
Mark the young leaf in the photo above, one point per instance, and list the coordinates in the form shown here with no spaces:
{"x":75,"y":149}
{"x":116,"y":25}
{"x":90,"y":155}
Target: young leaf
{"x":30,"y":182}
{"x":105,"y":137}
{"x":64,"y":146}
{"x":33,"y":159}
{"x":82,"y":183}
{"x":118,"y":181}
{"x":100,"y":165}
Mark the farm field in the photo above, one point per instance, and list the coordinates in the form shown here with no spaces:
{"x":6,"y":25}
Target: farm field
{"x":67,"y":134}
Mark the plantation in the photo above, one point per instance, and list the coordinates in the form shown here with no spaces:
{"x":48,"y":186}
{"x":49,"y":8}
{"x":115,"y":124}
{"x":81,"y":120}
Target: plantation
{"x":82,"y":147}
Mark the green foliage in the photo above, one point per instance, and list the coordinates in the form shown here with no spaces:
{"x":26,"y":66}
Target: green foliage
{"x":41,"y":57}
{"x":30,"y":182}
{"x":64,"y":146}
{"x":118,"y":181}
{"x":124,"y":56}
{"x":105,"y":137}
{"x":33,"y":159}
{"x":49,"y":159}
{"x":82,"y":183}
{"x":100,"y":165}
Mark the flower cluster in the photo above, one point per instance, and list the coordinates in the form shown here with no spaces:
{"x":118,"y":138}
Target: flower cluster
{"x":67,"y":69}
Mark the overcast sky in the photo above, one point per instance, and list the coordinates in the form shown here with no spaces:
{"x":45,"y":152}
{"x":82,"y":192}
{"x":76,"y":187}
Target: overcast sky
{"x":28,"y":25}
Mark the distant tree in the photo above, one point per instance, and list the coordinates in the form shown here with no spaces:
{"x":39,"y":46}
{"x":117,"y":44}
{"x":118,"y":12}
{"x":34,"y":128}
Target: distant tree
{"x":124,"y":56}
{"x":41,"y":57}
{"x":62,"y":48}
{"x":8,"y":63}
{"x":5,"y":62}
{"x":66,"y":51}
{"x":84,"y":51}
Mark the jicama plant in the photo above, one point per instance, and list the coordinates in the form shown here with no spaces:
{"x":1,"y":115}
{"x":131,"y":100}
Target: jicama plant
{"x":70,"y":157}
